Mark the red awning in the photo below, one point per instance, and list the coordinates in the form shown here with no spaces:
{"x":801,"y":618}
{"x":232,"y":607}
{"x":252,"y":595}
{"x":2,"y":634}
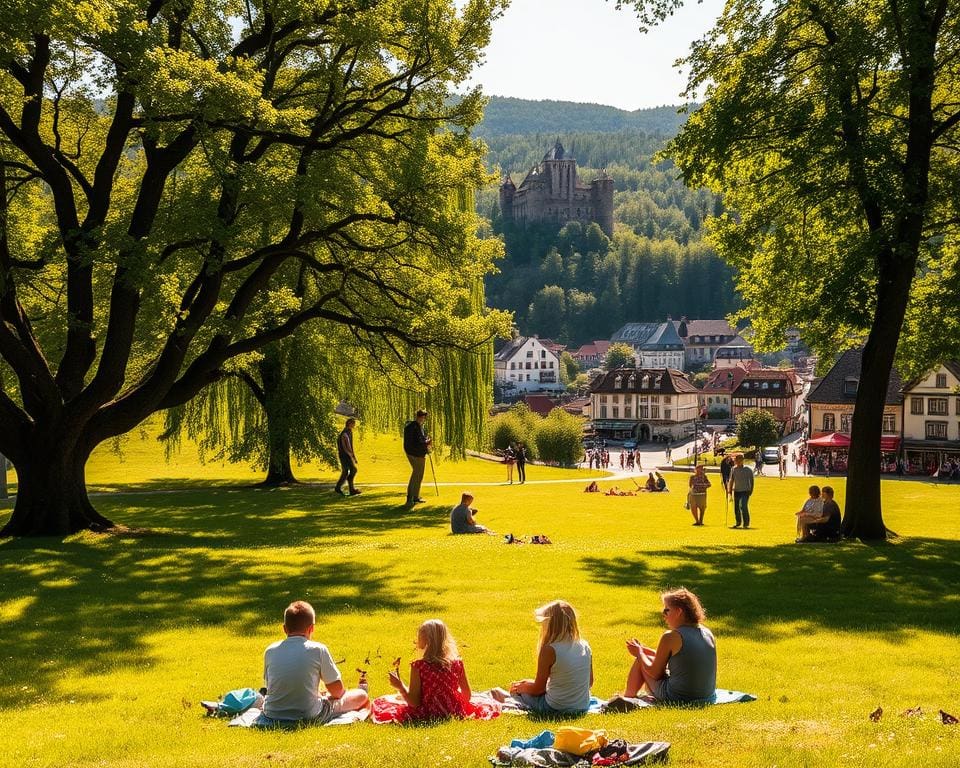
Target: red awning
{"x":889,"y":443}
{"x":833,"y":440}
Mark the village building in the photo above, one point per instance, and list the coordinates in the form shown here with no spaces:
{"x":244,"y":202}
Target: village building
{"x":643,"y":404}
{"x":525,"y":364}
{"x":551,"y":192}
{"x":830,"y":405}
{"x":702,"y":339}
{"x":776,"y":390}
{"x":931,"y":419}
{"x":591,"y":355}
{"x":717,"y":393}
{"x":731,"y":354}
{"x":655,"y":345}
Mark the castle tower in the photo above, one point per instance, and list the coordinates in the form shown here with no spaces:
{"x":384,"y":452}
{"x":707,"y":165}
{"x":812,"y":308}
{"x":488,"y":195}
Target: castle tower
{"x":601,"y":198}
{"x":561,"y":173}
{"x":507,"y":191}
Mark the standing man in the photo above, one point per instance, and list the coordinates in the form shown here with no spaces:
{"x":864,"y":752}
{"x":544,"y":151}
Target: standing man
{"x":740,"y":487}
{"x":416,"y":445}
{"x":348,"y":459}
{"x":521,"y":457}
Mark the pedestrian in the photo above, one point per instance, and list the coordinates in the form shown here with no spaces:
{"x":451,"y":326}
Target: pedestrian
{"x":509,"y":458}
{"x":740,"y":487}
{"x":758,"y":462}
{"x":697,"y":498}
{"x":622,"y":459}
{"x":521,"y":463}
{"x":416,"y":445}
{"x":726,"y":467}
{"x":348,"y":459}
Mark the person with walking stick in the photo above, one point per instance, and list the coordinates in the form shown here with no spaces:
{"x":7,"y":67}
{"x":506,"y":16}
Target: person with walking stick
{"x":416,"y":445}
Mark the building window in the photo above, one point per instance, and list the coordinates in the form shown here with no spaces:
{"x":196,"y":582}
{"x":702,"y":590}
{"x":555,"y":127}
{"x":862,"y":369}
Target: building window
{"x":941,"y":381}
{"x":529,"y":353}
{"x":618,"y":382}
{"x":710,"y":401}
{"x":916,"y":406}
{"x":512,"y":377}
{"x":850,"y":386}
{"x":513,"y":366}
{"x":551,"y":363}
{"x":958,"y":406}
{"x":937,"y":406}
{"x":528,"y":375}
{"x":543,"y":353}
{"x":643,"y":412}
{"x":616,"y":398}
{"x":936,"y":430}
{"x":844,"y":422}
{"x":626,"y":412}
{"x":603,"y":411}
{"x":666,"y":413}
{"x":666,"y":399}
{"x":616,"y":412}
{"x":889,"y":422}
{"x":654,"y":411}
{"x":829,"y":422}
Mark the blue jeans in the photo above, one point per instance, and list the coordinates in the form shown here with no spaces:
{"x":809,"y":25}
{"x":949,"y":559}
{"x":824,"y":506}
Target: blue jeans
{"x":740,"y":509}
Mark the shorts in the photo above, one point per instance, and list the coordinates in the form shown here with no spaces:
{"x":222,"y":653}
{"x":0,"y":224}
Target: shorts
{"x":328,"y":709}
{"x":539,"y":704}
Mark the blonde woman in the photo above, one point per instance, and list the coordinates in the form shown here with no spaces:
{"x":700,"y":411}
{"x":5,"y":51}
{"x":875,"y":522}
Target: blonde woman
{"x":684,"y":665}
{"x":438,"y":688}
{"x":564,"y":665}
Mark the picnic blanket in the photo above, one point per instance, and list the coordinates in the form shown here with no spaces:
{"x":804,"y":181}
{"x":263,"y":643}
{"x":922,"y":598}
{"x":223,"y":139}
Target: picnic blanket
{"x":622,"y":704}
{"x":638,"y":754}
{"x":393,"y":709}
{"x":254,"y":718}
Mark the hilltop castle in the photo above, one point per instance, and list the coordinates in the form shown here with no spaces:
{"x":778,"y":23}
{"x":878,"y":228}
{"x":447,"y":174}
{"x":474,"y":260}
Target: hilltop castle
{"x":550,"y":192}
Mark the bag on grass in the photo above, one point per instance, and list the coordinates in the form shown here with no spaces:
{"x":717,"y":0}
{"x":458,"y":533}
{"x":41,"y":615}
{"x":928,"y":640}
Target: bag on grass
{"x":579,"y":741}
{"x":238,"y":700}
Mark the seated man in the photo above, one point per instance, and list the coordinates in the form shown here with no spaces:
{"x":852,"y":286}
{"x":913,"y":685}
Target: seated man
{"x":461,"y":517}
{"x":293,"y":669}
{"x":827,"y":526}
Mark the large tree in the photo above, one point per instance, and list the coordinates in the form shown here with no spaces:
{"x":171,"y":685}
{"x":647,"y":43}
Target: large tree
{"x":830,"y":127}
{"x":167,"y":165}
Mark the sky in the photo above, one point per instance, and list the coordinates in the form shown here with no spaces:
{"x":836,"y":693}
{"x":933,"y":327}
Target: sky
{"x":587,"y":51}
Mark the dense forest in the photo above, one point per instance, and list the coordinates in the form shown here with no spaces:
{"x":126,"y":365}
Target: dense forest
{"x":574,"y":284}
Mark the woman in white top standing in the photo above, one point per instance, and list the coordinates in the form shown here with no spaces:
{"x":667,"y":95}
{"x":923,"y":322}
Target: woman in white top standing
{"x":564,"y":665}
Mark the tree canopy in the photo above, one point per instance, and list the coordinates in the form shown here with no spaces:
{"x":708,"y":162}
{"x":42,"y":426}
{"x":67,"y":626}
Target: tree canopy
{"x":831,"y":128}
{"x":184,"y":183}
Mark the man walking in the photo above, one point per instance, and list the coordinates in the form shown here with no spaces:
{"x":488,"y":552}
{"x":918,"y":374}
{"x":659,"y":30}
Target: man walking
{"x":348,"y":459}
{"x":416,"y":445}
{"x":740,"y":487}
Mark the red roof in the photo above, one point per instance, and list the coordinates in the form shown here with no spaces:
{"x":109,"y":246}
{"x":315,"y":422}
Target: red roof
{"x":540,"y":404}
{"x":596,"y":349}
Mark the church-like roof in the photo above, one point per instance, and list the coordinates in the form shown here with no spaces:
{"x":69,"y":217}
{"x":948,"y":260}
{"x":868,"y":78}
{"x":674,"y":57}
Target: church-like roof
{"x":555,"y":152}
{"x":664,"y":338}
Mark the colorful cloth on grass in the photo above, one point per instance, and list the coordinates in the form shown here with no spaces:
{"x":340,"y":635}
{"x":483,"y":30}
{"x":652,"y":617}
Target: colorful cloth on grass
{"x":439,"y":698}
{"x":254,"y":718}
{"x":720,"y":696}
{"x":637,"y":754}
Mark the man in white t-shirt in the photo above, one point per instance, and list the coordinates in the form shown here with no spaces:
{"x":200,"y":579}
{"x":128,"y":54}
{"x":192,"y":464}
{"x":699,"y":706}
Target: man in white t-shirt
{"x":294,"y":668}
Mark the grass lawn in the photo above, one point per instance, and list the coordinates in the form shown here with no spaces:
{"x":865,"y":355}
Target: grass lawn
{"x":108,"y":642}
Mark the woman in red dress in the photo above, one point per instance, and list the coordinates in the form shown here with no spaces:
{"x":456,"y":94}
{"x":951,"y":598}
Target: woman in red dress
{"x":438,"y":683}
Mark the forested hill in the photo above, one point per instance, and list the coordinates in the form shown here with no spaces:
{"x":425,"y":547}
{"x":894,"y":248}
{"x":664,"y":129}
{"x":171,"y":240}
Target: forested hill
{"x":573,"y":284}
{"x":505,"y":115}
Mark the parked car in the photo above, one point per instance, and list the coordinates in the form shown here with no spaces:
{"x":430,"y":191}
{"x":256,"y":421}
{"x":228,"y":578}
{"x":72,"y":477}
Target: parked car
{"x":771,"y":454}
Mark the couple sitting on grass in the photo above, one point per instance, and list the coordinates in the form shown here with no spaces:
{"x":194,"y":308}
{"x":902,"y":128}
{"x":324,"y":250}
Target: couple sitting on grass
{"x":683,"y":667}
{"x":819,"y":518}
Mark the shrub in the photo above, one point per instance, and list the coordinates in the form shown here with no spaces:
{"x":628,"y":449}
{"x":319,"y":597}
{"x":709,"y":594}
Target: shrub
{"x":559,"y":438}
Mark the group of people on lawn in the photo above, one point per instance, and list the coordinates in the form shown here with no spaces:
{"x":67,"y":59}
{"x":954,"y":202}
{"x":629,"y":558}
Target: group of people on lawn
{"x":683,"y":667}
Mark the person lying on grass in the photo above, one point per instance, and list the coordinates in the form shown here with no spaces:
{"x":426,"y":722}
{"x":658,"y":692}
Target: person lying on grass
{"x":438,"y":687}
{"x":810,"y":512}
{"x":826,"y":527}
{"x":564,"y":666}
{"x":461,"y":517}
{"x":684,"y":665}
{"x":293,"y":669}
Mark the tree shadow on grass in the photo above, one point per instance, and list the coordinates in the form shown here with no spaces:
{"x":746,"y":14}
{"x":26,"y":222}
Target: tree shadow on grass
{"x":767,"y":591}
{"x":86,"y":605}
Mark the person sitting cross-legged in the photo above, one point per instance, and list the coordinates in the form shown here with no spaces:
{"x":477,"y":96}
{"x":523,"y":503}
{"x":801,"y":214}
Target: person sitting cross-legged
{"x":810,"y":512}
{"x":293,"y":669}
{"x":461,"y":517}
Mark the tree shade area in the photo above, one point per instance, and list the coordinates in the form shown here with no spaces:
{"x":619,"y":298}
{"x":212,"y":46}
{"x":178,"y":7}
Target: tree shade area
{"x":831,"y":129}
{"x":182,"y":187}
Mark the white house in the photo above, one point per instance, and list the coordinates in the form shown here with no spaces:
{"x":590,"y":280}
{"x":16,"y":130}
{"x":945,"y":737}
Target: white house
{"x":931,"y":418}
{"x":525,"y":364}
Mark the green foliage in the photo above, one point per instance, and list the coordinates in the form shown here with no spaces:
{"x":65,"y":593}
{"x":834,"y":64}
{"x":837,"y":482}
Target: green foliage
{"x":757,"y":428}
{"x":700,"y":379}
{"x":507,"y":429}
{"x":559,"y":438}
{"x":569,"y":368}
{"x":619,"y":356}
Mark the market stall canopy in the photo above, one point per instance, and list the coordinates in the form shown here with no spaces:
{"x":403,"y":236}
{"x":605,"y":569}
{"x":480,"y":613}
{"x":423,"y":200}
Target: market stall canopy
{"x":889,"y":443}
{"x":833,"y":440}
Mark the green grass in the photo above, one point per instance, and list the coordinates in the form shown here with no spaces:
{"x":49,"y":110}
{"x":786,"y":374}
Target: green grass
{"x":108,"y":642}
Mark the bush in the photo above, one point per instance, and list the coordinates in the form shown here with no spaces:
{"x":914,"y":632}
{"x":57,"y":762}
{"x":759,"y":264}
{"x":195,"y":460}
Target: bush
{"x":559,"y":438}
{"x":518,"y":425}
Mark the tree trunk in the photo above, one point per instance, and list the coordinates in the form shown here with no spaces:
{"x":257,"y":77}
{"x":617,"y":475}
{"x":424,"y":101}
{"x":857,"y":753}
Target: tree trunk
{"x":279,"y":469}
{"x":863,"y":515}
{"x":52,"y":494}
